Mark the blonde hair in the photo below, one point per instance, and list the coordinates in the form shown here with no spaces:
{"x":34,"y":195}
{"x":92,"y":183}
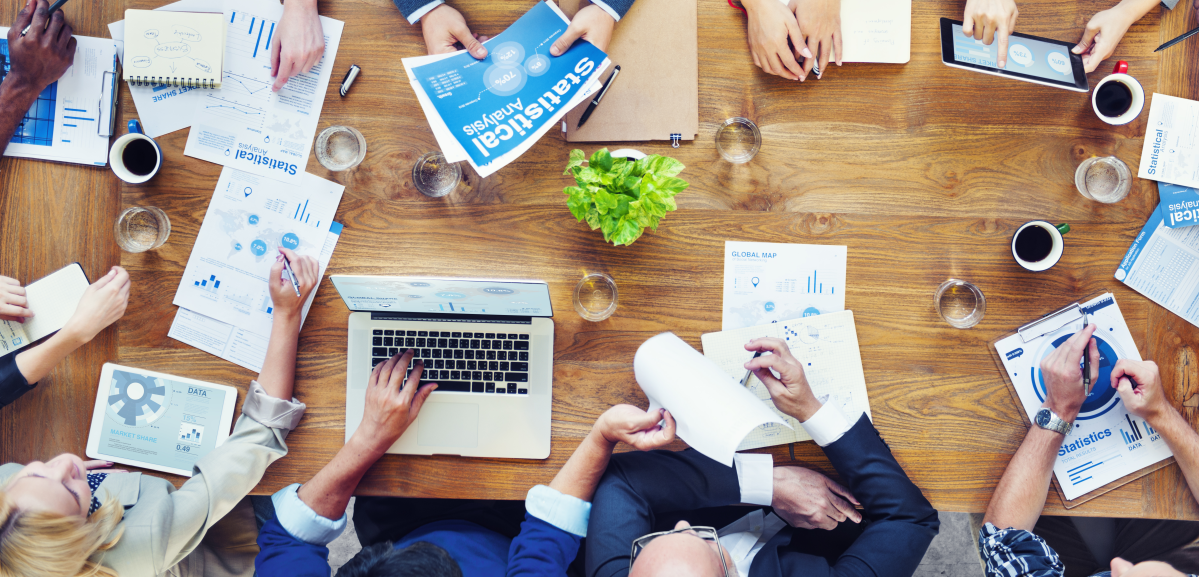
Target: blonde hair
{"x":44,"y":544}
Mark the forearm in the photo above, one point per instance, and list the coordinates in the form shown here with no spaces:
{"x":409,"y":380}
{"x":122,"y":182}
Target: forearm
{"x":581,"y":473}
{"x":279,"y":370}
{"x":37,"y":362}
{"x":17,"y":99}
{"x":1020,"y":496}
{"x":330,"y":490}
{"x":1135,"y":9}
{"x":1184,"y":442}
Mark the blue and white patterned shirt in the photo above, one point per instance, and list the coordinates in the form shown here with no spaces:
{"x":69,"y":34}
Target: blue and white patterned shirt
{"x":1017,"y":553}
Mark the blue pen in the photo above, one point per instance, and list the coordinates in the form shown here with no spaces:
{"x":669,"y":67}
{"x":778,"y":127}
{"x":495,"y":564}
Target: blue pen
{"x":291,"y":275}
{"x":1086,"y":360}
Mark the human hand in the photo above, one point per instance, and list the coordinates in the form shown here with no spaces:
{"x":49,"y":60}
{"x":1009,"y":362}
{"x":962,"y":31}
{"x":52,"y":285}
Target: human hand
{"x":102,"y":304}
{"x":820,"y":24}
{"x":107,"y":465}
{"x":591,"y":24}
{"x":1140,"y":386}
{"x":444,"y":27}
{"x":790,"y":392}
{"x":807,"y":499}
{"x":986,"y":19}
{"x":634,"y":427}
{"x":12,"y":301}
{"x":770,"y":26}
{"x":283,"y":294}
{"x":1064,"y":393}
{"x":1102,"y":34}
{"x":392,"y":402}
{"x":298,"y":44}
{"x":44,"y":54}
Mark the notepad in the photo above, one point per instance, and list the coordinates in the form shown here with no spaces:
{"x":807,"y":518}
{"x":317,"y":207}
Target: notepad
{"x":53,"y":300}
{"x":826,"y":345}
{"x":174,"y":48}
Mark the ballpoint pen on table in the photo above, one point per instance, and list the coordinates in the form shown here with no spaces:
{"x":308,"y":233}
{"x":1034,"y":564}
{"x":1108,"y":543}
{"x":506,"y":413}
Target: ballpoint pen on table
{"x":291,"y":275}
{"x":1182,"y":37}
{"x":598,"y":97}
{"x":745,"y":379}
{"x":1086,"y":360}
{"x":53,"y":7}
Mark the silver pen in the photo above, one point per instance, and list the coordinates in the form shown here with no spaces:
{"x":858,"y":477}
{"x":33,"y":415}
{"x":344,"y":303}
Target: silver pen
{"x":745,"y":379}
{"x":291,"y":275}
{"x":53,"y":8}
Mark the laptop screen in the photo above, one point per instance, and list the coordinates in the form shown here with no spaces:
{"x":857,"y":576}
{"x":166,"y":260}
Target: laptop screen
{"x":443,"y":296}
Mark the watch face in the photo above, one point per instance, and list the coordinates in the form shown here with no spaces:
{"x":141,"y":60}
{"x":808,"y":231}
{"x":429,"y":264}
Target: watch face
{"x":1042,"y":417}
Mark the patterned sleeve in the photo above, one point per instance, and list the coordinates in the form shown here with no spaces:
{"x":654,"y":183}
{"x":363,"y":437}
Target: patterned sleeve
{"x":1017,"y":553}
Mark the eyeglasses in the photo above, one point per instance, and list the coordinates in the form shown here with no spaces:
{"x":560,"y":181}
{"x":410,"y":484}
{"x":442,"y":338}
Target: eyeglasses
{"x":706,"y":533}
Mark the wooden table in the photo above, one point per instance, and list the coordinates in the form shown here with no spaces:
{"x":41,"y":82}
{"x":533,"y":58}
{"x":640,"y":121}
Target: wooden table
{"x":922,"y":170}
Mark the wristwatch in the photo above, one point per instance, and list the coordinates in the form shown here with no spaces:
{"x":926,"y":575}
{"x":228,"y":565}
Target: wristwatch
{"x":1047,"y":419}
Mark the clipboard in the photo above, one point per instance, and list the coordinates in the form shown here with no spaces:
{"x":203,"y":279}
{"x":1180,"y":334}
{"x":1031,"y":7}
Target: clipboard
{"x":1033,"y":333}
{"x":656,"y":96}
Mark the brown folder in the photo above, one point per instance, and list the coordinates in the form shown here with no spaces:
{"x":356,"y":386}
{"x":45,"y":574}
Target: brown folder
{"x":657,"y":92}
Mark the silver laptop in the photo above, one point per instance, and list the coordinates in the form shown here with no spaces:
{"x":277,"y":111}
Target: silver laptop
{"x":489,"y":346}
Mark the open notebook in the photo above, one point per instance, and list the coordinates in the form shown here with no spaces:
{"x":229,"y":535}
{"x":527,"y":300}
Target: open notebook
{"x":826,"y":344}
{"x":174,"y":48}
{"x":878,"y":31}
{"x":53,"y":300}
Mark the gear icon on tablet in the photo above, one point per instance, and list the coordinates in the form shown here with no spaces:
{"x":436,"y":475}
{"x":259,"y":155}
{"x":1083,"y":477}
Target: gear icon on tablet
{"x":136,"y":400}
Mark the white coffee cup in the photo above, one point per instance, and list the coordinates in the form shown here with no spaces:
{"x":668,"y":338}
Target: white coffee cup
{"x":1055,"y":253}
{"x":116,"y":154}
{"x":1120,"y":74}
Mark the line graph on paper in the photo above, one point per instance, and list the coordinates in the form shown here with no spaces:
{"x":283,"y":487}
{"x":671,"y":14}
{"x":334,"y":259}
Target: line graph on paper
{"x":230,"y":109}
{"x":248,"y":87}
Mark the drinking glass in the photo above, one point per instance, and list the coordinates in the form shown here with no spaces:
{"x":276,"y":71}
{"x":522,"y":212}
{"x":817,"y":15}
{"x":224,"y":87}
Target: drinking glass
{"x":738,"y":140}
{"x":142,"y":228}
{"x":960,"y":303}
{"x":595,"y":297}
{"x":340,"y":148}
{"x":435,"y":177}
{"x":1103,"y":179}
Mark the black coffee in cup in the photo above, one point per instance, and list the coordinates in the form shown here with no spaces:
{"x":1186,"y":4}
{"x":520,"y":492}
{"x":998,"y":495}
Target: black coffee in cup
{"x":1113,"y":99}
{"x":1033,"y":244}
{"x":140,"y":157}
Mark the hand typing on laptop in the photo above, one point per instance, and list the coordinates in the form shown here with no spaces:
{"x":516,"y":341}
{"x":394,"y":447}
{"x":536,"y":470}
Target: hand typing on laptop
{"x":392,"y":402}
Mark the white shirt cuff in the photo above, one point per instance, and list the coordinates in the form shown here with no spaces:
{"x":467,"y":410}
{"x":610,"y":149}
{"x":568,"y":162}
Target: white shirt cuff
{"x":563,"y":511}
{"x":613,"y":13}
{"x":415,"y":17}
{"x":301,"y":521}
{"x":827,"y":425}
{"x":755,"y":476}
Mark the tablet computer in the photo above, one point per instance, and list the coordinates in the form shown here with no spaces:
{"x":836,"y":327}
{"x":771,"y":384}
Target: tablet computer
{"x":158,"y":421}
{"x":1030,"y":58}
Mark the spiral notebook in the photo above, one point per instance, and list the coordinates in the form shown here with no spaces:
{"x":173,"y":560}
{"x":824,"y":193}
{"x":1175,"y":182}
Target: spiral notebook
{"x":174,"y":48}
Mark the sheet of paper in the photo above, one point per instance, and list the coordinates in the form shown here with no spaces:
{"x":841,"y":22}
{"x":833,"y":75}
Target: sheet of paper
{"x":827,"y":345}
{"x":1107,"y":442}
{"x":164,"y":109}
{"x":248,"y":218}
{"x":506,"y":102}
{"x":1179,"y":205}
{"x":1163,"y":265}
{"x":246,"y":125}
{"x":767,"y":282}
{"x":875,"y":31}
{"x":713,"y":412}
{"x":12,"y":337}
{"x":236,"y":344}
{"x":64,"y":124}
{"x":1171,"y":149}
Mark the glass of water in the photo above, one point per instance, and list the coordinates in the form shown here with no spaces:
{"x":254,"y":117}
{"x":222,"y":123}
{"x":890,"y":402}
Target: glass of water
{"x":1103,"y":179}
{"x":595,"y":297}
{"x":435,"y":177}
{"x":960,"y":303}
{"x":340,"y":148}
{"x":142,"y":228}
{"x":738,"y":140}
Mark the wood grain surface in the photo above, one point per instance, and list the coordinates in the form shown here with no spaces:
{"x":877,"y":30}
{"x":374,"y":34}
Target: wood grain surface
{"x":922,"y":170}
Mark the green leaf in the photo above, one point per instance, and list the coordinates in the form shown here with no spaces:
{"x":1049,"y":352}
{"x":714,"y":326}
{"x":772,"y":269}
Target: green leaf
{"x":576,"y":160}
{"x":605,"y":201}
{"x":601,"y":160}
{"x":626,"y":232}
{"x":641,"y":166}
{"x":669,"y":185}
{"x":664,"y":165}
{"x":593,"y":218}
{"x":576,"y":201}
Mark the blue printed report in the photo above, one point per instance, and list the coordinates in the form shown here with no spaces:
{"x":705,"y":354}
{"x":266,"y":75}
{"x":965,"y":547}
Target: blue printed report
{"x":490,"y":111}
{"x":1179,"y":205}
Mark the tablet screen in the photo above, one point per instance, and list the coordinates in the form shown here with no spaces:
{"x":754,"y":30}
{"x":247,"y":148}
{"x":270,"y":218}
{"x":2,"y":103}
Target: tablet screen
{"x":1025,"y":56}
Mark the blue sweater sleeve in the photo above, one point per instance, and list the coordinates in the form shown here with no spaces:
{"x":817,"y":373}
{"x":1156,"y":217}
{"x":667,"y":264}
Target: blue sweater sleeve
{"x":541,"y":549}
{"x":282,"y":555}
{"x":12,"y":382}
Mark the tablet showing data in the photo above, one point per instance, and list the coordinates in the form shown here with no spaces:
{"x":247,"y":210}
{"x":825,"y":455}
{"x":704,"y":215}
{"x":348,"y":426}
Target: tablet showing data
{"x":1030,"y":58}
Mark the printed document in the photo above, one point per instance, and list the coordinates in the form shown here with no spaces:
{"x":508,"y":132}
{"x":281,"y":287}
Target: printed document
{"x":1171,"y":149}
{"x":490,"y":111}
{"x":233,"y":343}
{"x":248,"y":218}
{"x":766,"y":282}
{"x":244,"y":124}
{"x":69,"y":121}
{"x":827,"y":345}
{"x":1163,"y":265}
{"x":1107,"y":442}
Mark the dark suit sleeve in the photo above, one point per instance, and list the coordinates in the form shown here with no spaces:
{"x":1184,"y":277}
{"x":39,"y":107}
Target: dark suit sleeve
{"x":282,"y":555}
{"x":638,"y":485}
{"x":12,"y":382}
{"x":618,"y":6}
{"x":407,"y":7}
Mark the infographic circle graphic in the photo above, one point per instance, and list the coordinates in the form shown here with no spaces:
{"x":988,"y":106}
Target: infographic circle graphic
{"x":537,"y":65}
{"x":505,"y":80}
{"x":508,"y":54}
{"x":136,"y":400}
{"x":1103,"y":397}
{"x":258,"y":248}
{"x":290,"y":241}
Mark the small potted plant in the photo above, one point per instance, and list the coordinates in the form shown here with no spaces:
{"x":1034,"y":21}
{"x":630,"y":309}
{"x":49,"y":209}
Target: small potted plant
{"x":621,"y":196}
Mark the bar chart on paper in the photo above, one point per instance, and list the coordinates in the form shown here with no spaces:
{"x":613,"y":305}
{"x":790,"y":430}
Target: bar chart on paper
{"x":771,"y":282}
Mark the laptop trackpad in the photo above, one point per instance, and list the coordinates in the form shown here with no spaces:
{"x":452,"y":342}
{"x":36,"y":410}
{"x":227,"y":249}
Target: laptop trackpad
{"x":449,"y":425}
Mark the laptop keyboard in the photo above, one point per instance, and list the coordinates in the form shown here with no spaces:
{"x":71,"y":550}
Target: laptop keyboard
{"x":463,"y":362}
